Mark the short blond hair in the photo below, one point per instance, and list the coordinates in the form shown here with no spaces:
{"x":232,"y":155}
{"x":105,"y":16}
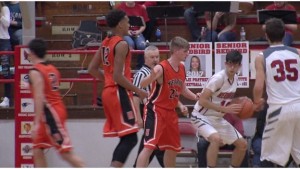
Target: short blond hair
{"x":178,"y":43}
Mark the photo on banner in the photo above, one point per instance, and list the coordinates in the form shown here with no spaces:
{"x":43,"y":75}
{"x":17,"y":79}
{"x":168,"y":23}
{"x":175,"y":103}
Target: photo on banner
{"x":198,"y":65}
{"x":222,"y":48}
{"x":26,"y":127}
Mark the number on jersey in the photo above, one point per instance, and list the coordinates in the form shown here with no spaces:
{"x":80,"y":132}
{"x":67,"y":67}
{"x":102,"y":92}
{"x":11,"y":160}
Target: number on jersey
{"x":105,"y":53}
{"x":53,"y":81}
{"x":286,"y":69}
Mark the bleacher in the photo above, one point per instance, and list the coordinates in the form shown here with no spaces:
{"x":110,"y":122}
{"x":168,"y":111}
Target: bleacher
{"x":50,"y":15}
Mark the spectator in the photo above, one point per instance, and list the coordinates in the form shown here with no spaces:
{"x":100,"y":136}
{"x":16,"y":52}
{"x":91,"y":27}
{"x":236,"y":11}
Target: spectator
{"x":149,"y":24}
{"x":136,"y":39}
{"x":190,"y":16}
{"x":202,"y":144}
{"x":222,"y":26}
{"x":289,"y":28}
{"x":15,"y":28}
{"x":5,"y":46}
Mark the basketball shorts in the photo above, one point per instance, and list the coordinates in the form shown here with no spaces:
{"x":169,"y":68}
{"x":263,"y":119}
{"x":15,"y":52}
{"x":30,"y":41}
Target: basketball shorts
{"x":281,"y":135}
{"x":119,"y":111}
{"x":208,"y":125}
{"x":161,"y":129}
{"x":51,"y":130}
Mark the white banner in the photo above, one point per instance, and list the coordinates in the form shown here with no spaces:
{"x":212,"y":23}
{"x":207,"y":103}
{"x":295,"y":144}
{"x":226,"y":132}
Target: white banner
{"x":198,"y":65}
{"x":253,"y":55}
{"x":222,"y":48}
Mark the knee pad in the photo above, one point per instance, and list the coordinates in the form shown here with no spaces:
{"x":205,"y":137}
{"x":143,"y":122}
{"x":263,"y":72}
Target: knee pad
{"x":124,"y":147}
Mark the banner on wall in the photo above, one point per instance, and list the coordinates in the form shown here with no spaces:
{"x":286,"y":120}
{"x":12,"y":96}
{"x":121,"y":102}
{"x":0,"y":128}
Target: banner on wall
{"x":24,"y":111}
{"x":198,"y":65}
{"x":222,"y":48}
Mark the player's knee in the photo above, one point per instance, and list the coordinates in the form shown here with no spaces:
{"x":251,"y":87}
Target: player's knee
{"x":125,"y":146}
{"x":130,"y":140}
{"x":215,"y":139}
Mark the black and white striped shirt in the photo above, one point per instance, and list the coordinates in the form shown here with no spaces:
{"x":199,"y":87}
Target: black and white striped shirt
{"x":138,"y":76}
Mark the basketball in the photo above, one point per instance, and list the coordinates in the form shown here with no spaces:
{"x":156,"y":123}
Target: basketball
{"x":247,"y":109}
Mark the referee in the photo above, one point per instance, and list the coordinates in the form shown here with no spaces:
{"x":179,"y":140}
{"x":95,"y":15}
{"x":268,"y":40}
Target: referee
{"x":151,"y":55}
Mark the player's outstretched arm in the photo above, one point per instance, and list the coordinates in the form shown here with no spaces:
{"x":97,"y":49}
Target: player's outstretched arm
{"x":189,"y":94}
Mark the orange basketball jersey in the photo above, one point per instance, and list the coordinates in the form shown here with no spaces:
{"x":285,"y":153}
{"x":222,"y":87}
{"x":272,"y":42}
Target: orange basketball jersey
{"x":119,"y":109}
{"x":51,"y":78}
{"x":170,"y":88}
{"x":51,"y":129}
{"x":108,"y":56}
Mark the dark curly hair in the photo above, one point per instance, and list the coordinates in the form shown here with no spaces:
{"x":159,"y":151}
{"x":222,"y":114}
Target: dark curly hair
{"x":38,"y":47}
{"x":114,"y":17}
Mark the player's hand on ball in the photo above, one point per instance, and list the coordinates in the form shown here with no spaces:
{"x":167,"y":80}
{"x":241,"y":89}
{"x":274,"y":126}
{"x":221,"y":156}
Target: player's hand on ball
{"x":233,"y":108}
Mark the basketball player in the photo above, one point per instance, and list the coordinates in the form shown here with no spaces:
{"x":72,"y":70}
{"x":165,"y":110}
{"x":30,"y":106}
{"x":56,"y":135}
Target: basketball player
{"x":115,"y":56}
{"x":161,"y":120}
{"x":50,"y":113}
{"x":208,"y":112}
{"x":151,"y":55}
{"x":278,"y":68}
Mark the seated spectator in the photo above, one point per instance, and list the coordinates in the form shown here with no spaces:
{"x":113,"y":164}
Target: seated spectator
{"x":190,"y":16}
{"x":203,"y":144}
{"x":290,"y":28}
{"x":222,"y":27}
{"x":136,"y":38}
{"x":151,"y":23}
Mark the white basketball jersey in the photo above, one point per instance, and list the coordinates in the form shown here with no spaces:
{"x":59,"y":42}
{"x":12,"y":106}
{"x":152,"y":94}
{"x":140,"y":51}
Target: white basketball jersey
{"x":223,"y":92}
{"x":282,"y":66}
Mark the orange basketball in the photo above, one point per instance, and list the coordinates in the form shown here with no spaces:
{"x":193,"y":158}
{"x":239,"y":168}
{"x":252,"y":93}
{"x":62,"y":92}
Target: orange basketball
{"x":247,"y":109}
